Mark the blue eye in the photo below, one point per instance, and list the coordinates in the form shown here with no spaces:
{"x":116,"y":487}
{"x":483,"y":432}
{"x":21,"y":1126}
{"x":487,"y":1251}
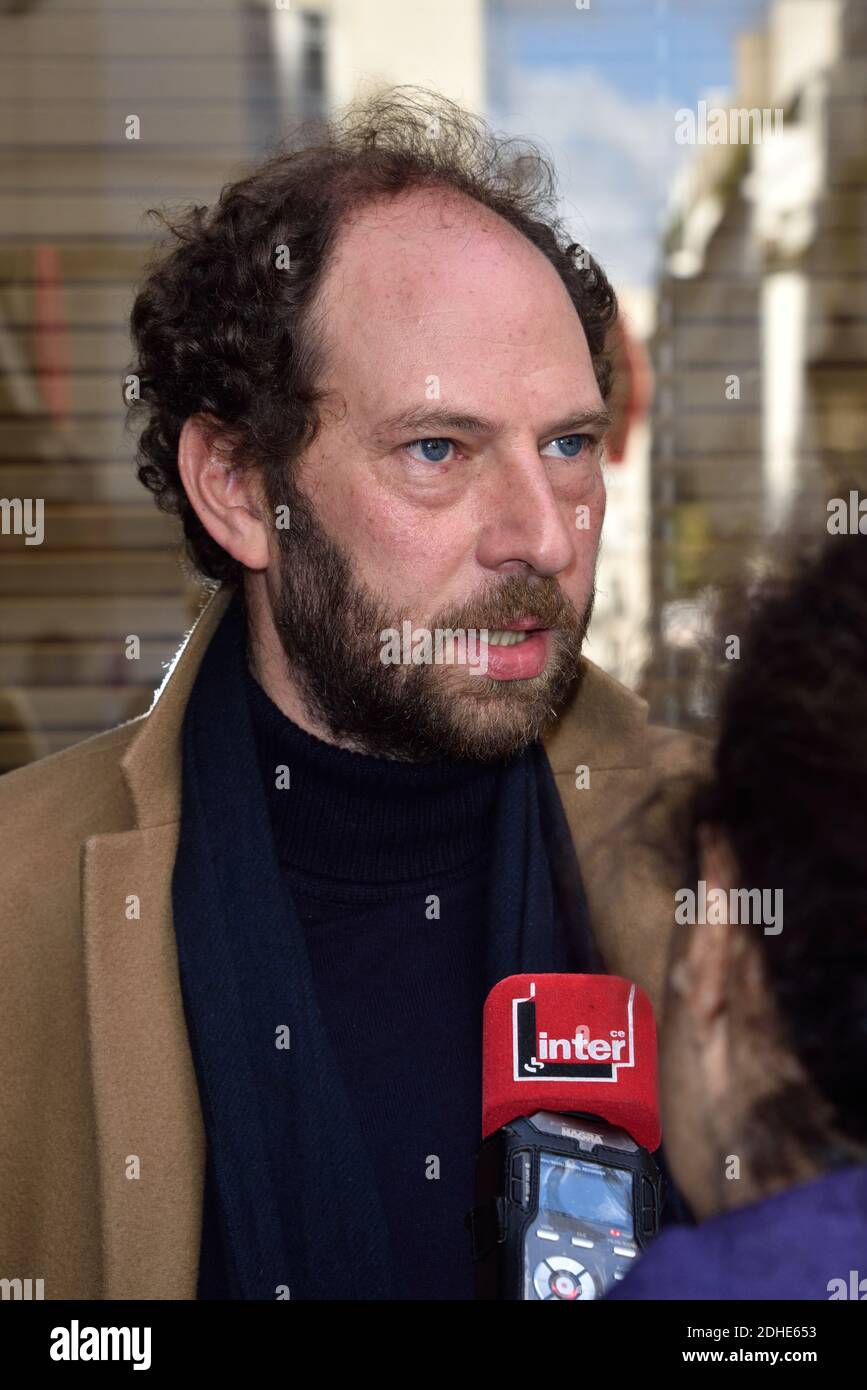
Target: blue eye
{"x":571,"y":444}
{"x":432,"y":450}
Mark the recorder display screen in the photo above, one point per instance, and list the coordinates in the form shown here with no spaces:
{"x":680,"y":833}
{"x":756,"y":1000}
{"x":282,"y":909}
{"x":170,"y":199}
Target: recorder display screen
{"x":588,"y":1192}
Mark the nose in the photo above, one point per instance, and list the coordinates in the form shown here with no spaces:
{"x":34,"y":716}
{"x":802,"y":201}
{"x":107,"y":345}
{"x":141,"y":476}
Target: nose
{"x":527,"y":524}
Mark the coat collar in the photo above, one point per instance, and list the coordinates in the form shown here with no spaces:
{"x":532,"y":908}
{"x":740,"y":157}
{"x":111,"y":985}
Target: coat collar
{"x":151,"y":765}
{"x":603,"y":725}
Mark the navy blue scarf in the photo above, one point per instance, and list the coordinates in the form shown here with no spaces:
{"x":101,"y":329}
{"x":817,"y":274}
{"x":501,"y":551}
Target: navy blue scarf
{"x":299,"y":1205}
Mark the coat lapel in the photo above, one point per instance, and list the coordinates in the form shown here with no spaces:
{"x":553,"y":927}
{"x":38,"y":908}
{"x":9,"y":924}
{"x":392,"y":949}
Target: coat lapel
{"x":150,"y":1140}
{"x":616,"y":812}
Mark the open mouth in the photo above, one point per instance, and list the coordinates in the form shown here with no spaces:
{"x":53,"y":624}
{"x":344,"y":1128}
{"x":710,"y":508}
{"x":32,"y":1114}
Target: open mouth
{"x":519,"y":652}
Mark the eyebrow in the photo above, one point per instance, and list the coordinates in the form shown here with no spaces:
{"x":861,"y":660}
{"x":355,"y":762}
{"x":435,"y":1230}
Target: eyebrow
{"x":424,"y":421}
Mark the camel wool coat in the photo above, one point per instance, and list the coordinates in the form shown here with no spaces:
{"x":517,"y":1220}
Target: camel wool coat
{"x":95,"y":1064}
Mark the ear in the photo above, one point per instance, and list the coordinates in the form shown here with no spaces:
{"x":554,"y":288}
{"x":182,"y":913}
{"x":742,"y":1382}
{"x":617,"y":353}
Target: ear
{"x":227,"y":501}
{"x":704,"y":968}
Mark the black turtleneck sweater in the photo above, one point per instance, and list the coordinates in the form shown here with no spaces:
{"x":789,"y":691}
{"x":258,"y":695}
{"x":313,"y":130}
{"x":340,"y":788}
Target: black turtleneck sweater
{"x":388,"y":867}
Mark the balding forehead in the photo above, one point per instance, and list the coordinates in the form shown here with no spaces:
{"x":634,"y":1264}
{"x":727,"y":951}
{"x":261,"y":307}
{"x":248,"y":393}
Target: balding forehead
{"x":428,"y":210}
{"x":428,"y":251}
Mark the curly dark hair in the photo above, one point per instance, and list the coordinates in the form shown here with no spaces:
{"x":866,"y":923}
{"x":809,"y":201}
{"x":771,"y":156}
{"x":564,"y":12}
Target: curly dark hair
{"x":789,"y":791}
{"x":221,"y":332}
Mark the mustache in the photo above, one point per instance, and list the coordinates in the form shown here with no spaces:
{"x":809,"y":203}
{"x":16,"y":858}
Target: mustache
{"x":510,"y":600}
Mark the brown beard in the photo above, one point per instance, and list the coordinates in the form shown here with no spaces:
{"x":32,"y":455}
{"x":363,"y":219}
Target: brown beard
{"x":329,"y":626}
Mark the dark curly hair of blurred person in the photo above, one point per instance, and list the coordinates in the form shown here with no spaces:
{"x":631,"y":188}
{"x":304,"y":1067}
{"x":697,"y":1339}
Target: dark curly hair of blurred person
{"x":220,"y":330}
{"x":789,"y":791}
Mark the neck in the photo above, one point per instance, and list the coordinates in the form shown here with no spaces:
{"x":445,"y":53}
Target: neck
{"x":766,"y":1165}
{"x":345,"y":816}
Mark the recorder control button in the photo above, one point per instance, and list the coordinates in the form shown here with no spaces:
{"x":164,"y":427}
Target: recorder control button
{"x":519,"y":1187}
{"x":563,"y":1280}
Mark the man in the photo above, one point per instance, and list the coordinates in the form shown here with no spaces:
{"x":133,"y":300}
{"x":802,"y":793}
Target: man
{"x":248,"y":937}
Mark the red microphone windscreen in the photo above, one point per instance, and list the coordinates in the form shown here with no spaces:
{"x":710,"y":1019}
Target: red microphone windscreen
{"x":571,"y":1043}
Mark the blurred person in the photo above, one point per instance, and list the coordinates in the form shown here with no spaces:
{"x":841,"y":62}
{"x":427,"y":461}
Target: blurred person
{"x":764,"y":1032}
{"x":247,"y":938}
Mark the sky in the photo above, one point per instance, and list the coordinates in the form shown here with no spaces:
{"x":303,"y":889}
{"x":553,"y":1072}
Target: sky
{"x":598,"y":89}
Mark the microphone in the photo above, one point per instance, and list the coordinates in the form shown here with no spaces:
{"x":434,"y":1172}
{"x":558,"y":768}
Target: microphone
{"x":567,"y":1194}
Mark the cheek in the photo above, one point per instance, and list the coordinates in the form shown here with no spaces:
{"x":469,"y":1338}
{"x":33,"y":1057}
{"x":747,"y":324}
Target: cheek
{"x":578,"y":581}
{"x":594,"y":497}
{"x":406,"y":558}
{"x":582,"y":504}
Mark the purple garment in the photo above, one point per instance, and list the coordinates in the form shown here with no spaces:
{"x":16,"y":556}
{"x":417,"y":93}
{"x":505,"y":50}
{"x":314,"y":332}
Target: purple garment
{"x":788,"y":1246}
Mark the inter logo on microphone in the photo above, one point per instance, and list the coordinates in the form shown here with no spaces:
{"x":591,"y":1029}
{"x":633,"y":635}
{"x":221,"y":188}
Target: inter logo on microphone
{"x":555,"y":1053}
{"x":571,"y":1029}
